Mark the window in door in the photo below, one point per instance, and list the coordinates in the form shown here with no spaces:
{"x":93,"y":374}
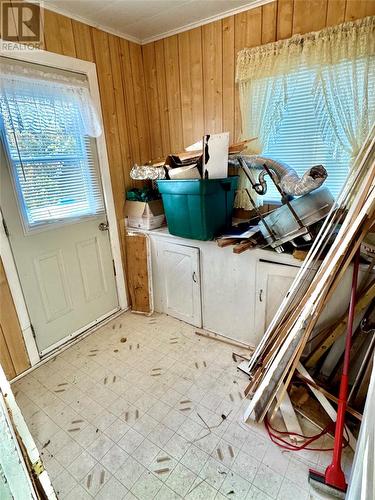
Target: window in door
{"x":53,"y":161}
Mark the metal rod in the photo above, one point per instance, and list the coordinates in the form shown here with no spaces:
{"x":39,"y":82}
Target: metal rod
{"x":284,"y":197}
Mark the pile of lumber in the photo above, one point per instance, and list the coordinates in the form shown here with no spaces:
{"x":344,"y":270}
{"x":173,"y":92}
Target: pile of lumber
{"x":278,"y":355}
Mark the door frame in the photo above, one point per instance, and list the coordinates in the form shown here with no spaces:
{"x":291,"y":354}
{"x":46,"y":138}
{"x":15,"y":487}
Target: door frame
{"x":87,"y":68}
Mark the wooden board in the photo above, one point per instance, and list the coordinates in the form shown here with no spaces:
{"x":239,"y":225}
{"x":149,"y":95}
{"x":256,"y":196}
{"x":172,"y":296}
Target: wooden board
{"x":138,"y":273}
{"x":290,"y":418}
{"x":5,"y":358}
{"x":13,"y":357}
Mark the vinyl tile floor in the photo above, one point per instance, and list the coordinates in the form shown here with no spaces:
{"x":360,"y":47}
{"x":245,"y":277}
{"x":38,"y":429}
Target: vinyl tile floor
{"x":135,"y":411}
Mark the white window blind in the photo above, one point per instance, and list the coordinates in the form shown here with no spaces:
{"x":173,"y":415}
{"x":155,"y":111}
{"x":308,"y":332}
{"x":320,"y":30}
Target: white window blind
{"x":299,"y":140}
{"x":54,"y":165}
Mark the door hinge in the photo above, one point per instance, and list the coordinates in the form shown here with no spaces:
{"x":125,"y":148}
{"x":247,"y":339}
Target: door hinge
{"x":32,"y":331}
{"x":114,"y":267}
{"x":5,"y":228}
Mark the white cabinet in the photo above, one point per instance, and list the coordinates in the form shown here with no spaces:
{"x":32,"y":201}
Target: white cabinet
{"x":181,"y":282}
{"x":234,"y":295}
{"x":272,"y":284}
{"x":228,"y":287}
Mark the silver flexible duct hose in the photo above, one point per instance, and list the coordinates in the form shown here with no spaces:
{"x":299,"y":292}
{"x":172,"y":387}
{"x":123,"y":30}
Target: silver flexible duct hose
{"x":285,"y":176}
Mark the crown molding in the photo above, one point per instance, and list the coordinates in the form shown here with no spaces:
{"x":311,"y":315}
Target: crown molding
{"x":144,"y":41}
{"x":207,"y":20}
{"x":84,"y":20}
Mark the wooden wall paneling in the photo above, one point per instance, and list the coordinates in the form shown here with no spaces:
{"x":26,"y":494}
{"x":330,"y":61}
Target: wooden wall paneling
{"x":109,"y":111}
{"x":269,"y":22}
{"x":127,"y":80}
{"x":151,"y":88}
{"x":196,"y":70}
{"x":248,"y":33}
{"x":355,"y":9}
{"x":82,"y":41}
{"x":213,"y":77}
{"x":126,"y":160}
{"x":229,"y":68}
{"x":162,"y":97}
{"x":135,"y":52}
{"x":185,"y":88}
{"x":284,"y":19}
{"x":138,"y":277}
{"x":51,"y":32}
{"x":66,"y":36}
{"x":172,"y":77}
{"x":191,"y":84}
{"x":335,"y":12}
{"x":5,"y":359}
{"x":58,"y":34}
{"x":370,"y":8}
{"x":11,"y":328}
{"x":309,"y":16}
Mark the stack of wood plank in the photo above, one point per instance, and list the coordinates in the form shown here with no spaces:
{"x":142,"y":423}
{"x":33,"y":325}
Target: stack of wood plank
{"x":277,"y":356}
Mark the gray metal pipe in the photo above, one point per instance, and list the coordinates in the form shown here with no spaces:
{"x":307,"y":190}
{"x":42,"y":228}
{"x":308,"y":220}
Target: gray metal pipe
{"x":285,"y":176}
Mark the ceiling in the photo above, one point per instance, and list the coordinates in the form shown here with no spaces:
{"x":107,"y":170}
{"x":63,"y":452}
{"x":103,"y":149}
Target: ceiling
{"x":143,"y":21}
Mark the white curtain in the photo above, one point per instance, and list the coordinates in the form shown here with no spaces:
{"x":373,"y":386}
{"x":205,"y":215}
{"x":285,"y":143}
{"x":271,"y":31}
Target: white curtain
{"x":25,"y":85}
{"x":344,"y":96}
{"x":344,"y":106}
{"x":263,"y":103}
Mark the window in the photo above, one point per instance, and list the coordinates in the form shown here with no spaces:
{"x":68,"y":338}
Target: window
{"x":53,"y":163}
{"x":299,"y":139}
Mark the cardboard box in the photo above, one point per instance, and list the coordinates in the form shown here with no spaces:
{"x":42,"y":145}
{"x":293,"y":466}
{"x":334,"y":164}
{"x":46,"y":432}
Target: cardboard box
{"x":144,"y":215}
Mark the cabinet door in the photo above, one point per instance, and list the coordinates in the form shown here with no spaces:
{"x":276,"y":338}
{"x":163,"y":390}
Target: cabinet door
{"x":272,"y":284}
{"x":181,"y":278}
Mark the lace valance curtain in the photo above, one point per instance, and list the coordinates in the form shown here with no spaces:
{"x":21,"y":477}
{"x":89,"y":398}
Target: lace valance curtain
{"x":26,"y":86}
{"x":343,"y":59}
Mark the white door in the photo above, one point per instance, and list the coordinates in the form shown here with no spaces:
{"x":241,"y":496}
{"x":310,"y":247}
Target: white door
{"x":182,"y":282}
{"x":272,"y":284}
{"x":65,"y":263}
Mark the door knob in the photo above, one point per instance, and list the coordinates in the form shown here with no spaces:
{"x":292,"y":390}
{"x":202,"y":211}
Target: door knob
{"x":103,"y":226}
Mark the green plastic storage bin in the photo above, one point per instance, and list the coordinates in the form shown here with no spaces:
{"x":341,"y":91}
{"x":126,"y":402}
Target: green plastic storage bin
{"x":198,"y":209}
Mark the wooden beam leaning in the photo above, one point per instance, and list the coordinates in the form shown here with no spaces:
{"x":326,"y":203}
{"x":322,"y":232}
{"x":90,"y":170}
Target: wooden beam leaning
{"x":364,"y":300}
{"x":357,"y":177}
{"x":295,"y":334}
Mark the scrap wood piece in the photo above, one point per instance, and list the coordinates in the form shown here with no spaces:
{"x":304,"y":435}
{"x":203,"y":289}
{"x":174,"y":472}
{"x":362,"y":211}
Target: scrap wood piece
{"x":235,"y":355}
{"x":226,"y":242}
{"x":237,"y":147}
{"x":323,"y":400}
{"x":359,"y":386}
{"x":364,"y":300}
{"x":327,"y":394}
{"x":290,"y":419}
{"x":360,"y":395}
{"x":331,"y":369}
{"x":244,"y":245}
{"x":226,"y":340}
{"x":300,"y":254}
{"x":138,"y":272}
{"x":310,"y":408}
